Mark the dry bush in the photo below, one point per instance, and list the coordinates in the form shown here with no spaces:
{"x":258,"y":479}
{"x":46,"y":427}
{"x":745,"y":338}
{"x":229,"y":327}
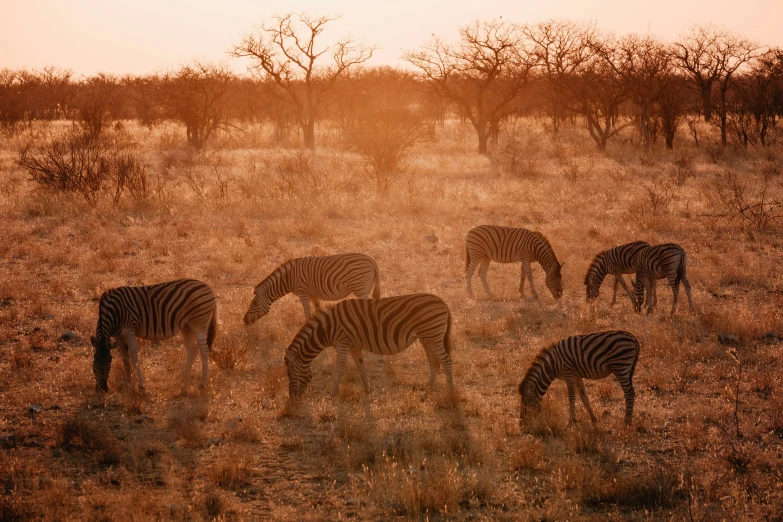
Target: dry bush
{"x":752,"y":205}
{"x":230,"y":351}
{"x":656,"y":488}
{"x":230,"y":471}
{"x":185,"y":424}
{"x":683,"y":169}
{"x":77,"y":433}
{"x":77,"y":163}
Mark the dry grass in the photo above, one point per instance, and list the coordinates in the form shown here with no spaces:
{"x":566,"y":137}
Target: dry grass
{"x":240,"y":451}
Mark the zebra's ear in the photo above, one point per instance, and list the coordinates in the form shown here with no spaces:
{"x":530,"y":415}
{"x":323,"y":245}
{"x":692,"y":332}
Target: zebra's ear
{"x":112,"y":345}
{"x":93,"y":341}
{"x":562,"y":264}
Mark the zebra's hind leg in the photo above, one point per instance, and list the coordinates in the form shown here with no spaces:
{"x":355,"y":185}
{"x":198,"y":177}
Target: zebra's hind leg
{"x":675,"y":294}
{"x":687,"y":287}
{"x":630,"y":395}
{"x":358,"y":359}
{"x":469,"y":273}
{"x":526,"y":271}
{"x":580,"y":386}
{"x":190,"y":355}
{"x":203,"y":350}
{"x":305,"y":300}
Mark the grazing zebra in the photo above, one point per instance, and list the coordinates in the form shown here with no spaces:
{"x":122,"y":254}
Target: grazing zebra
{"x":669,"y":261}
{"x":487,"y":243}
{"x":615,"y":261}
{"x":315,"y":278}
{"x":591,"y":356}
{"x":382,"y":326}
{"x":154,"y":313}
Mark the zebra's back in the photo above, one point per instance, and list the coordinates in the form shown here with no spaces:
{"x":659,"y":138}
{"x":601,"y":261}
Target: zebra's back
{"x":503,"y":244}
{"x":334,"y":277}
{"x":158,"y":312}
{"x":389,"y":325}
{"x":597,"y":355}
{"x":661,"y":260}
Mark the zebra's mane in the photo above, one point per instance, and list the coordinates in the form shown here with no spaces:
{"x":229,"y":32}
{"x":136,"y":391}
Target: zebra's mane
{"x":280,"y":272}
{"x":593,"y":263}
{"x":541,"y":237}
{"x":308,"y":329}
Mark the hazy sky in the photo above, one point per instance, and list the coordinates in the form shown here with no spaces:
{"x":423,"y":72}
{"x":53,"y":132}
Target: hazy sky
{"x":140,"y":36}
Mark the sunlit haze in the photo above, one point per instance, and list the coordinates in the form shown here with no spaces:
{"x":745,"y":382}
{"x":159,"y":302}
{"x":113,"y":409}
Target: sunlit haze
{"x":141,"y":36}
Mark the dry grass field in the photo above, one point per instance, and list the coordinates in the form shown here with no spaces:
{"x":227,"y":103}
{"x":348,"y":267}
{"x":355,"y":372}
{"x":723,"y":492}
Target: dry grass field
{"x":707,"y":436}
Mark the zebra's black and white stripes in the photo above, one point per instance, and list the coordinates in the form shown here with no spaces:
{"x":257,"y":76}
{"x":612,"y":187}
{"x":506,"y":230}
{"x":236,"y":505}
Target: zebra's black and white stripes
{"x":590,"y":356}
{"x":615,"y":261}
{"x":154,"y":313}
{"x":314,"y":278}
{"x":487,"y":243}
{"x":381,"y":326}
{"x":662,"y":261}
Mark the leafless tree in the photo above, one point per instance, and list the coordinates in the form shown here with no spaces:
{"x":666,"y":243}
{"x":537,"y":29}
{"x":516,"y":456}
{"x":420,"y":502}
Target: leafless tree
{"x":483,"y":74}
{"x":197,"y":96}
{"x":560,"y":47}
{"x":98,"y":102}
{"x":643,"y":65}
{"x":710,"y":57}
{"x":289,"y":52}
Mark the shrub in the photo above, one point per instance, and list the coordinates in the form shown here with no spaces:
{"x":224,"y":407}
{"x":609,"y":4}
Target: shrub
{"x":78,"y":163}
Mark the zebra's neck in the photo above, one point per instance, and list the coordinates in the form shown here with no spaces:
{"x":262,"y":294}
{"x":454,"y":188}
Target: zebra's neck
{"x":599,"y":268}
{"x":539,"y":377}
{"x":544,"y":255}
{"x":109,"y":320}
{"x":280,"y":282}
{"x":312,"y":339}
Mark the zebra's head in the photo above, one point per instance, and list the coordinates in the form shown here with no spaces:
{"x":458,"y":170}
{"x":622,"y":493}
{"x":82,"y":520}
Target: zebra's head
{"x":259,"y":306}
{"x":101,"y":363}
{"x":299,"y":375}
{"x":529,"y":400}
{"x":554,"y":280}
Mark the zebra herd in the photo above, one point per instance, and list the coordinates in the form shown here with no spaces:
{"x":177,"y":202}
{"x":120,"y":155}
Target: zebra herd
{"x":391,"y":324}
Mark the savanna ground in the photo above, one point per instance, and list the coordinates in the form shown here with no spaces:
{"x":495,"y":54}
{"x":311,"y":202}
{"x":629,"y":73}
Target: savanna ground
{"x":230,"y":215}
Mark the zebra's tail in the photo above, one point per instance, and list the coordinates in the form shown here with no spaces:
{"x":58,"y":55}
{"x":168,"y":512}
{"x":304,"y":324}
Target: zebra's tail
{"x":212,"y":329}
{"x":447,"y":336}
{"x":681,"y":270}
{"x":376,"y":291}
{"x":638,"y":349}
{"x":467,"y":257}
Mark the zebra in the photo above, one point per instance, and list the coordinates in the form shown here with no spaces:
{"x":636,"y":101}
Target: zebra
{"x":615,"y":261}
{"x":590,"y":356}
{"x":154,"y":313}
{"x":382,"y":326}
{"x":487,"y":243}
{"x":662,"y":261}
{"x":315,"y":278}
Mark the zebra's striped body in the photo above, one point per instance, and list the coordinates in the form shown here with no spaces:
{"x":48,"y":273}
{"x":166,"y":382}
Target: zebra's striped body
{"x":314,"y":278}
{"x":662,"y":261}
{"x":590,"y":356}
{"x":154,"y":313}
{"x":382,"y":326}
{"x":487,"y":243}
{"x":615,"y":261}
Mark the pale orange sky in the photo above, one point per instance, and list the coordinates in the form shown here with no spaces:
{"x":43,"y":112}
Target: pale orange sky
{"x":141,"y":36}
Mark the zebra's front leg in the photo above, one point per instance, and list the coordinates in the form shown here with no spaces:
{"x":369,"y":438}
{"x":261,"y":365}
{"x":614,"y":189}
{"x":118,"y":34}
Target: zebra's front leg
{"x":342,"y":354}
{"x":358,"y":359}
{"x":621,"y":280}
{"x":305,"y":300}
{"x":651,"y":300}
{"x":580,"y":386}
{"x":570,"y":380}
{"x":526,"y":271}
{"x":483,"y":268}
{"x":130,"y":341}
{"x":123,"y":349}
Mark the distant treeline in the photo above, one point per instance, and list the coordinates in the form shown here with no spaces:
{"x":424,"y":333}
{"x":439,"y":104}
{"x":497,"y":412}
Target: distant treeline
{"x":557,"y":70}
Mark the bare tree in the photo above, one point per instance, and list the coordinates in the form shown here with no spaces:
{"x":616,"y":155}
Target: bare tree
{"x":559,"y":47}
{"x":483,"y":74}
{"x":710,"y":57}
{"x":197,"y":96}
{"x":288,"y":52}
{"x":98,"y":101}
{"x":643,"y":64}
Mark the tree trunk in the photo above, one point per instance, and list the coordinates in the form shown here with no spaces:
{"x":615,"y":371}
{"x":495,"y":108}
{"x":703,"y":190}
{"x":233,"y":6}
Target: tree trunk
{"x":481,"y":130}
{"x":308,"y":131}
{"x":645,"y":124}
{"x":706,"y":103}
